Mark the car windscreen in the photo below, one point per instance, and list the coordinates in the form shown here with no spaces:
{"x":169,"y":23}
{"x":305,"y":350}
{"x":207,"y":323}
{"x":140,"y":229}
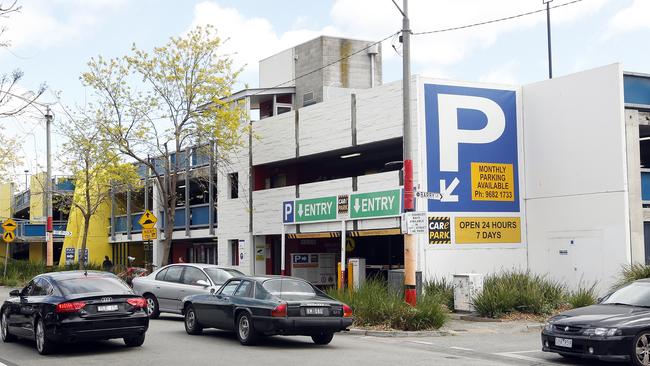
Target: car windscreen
{"x":220,"y":275}
{"x":289,"y":288}
{"x":87,"y":285}
{"x":635,"y":294}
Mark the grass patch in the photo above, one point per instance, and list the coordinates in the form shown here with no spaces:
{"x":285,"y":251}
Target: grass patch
{"x":583,"y":296}
{"x":518,"y":291}
{"x":443,"y":288}
{"x":631,"y":273}
{"x":375,"y":305}
{"x":21,"y":272}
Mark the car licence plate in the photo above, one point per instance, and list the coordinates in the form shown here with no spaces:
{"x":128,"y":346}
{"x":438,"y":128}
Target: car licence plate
{"x":563,"y":342}
{"x":103,"y":308}
{"x":315,"y":311}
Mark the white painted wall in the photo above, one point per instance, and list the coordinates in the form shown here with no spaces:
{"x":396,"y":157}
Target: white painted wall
{"x":325,"y":126}
{"x":277,"y":69}
{"x":274,"y":138}
{"x":379,"y":113}
{"x":267,"y":210}
{"x":576,"y":176}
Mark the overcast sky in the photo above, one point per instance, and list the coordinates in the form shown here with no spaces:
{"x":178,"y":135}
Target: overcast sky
{"x":53,"y":39}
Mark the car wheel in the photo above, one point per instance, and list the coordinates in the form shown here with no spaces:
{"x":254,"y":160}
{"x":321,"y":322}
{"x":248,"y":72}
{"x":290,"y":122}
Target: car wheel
{"x":152,"y":306}
{"x":641,"y":355}
{"x":136,"y":341}
{"x":192,"y":325}
{"x":322,"y":339}
{"x":44,"y":345}
{"x":246,"y":330}
{"x":4,"y":329}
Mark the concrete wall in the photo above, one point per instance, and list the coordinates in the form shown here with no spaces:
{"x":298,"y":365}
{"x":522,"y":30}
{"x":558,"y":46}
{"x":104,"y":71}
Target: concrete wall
{"x":576,"y":176}
{"x":308,"y":58}
{"x":274,"y":138}
{"x":325,"y":126}
{"x":6,"y":200}
{"x":277,"y":69}
{"x":379,"y":113}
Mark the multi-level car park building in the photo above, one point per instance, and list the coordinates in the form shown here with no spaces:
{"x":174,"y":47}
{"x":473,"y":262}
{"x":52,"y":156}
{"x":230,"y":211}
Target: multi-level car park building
{"x":548,"y":176}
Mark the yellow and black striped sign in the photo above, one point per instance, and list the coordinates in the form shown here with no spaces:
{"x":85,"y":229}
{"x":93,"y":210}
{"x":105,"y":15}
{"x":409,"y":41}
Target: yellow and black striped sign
{"x":439,"y":230}
{"x":332,"y":234}
{"x":337,"y":234}
{"x":376,"y":232}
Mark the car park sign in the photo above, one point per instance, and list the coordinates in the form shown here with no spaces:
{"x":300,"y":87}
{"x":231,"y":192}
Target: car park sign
{"x":472,"y":159}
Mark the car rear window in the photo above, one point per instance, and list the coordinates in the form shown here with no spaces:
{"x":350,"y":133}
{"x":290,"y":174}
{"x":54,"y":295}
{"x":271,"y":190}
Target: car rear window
{"x":87,"y":285}
{"x":288,"y":287}
{"x":220,"y":275}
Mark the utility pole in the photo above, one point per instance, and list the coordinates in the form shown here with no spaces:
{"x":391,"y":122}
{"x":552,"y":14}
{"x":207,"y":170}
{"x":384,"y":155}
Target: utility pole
{"x":410,"y":293}
{"x":548,"y":37}
{"x":49,"y":236}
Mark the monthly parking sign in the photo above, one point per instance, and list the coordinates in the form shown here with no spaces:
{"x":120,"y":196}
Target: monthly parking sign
{"x":472,"y":150}
{"x":472,"y":160}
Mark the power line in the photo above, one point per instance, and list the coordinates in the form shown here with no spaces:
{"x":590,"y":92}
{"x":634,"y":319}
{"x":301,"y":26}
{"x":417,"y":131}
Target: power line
{"x":494,"y":20}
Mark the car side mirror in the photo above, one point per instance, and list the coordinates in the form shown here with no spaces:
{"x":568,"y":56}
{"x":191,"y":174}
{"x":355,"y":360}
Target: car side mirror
{"x":14,"y":293}
{"x":203,"y":283}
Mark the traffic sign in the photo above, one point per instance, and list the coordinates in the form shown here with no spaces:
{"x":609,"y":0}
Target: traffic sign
{"x":428,"y":195}
{"x":9,"y":225}
{"x":316,"y":209}
{"x":376,"y":204}
{"x":62,"y":232}
{"x":9,"y":236}
{"x":149,"y":233}
{"x":415,"y":222}
{"x":148,"y":220}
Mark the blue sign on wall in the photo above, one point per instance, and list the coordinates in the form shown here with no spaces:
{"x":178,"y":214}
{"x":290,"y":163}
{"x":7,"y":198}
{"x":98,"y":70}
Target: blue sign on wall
{"x":472,"y":153}
{"x":287,"y":212}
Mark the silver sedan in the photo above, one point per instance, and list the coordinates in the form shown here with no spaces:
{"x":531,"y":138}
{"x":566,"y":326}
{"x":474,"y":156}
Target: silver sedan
{"x":165,"y":288}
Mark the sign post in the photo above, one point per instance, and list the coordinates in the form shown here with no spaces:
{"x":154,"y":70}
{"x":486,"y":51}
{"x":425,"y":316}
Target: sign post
{"x":149,"y":232}
{"x":9,"y":226}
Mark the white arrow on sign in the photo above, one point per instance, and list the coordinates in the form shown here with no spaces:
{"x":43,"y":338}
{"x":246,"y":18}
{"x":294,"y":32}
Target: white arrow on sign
{"x":61,"y":232}
{"x":446,"y":191}
{"x":300,"y":209}
{"x":356,"y":205}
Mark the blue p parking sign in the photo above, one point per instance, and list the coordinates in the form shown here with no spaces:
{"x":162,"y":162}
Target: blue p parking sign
{"x":472,"y":152}
{"x":287,"y":212}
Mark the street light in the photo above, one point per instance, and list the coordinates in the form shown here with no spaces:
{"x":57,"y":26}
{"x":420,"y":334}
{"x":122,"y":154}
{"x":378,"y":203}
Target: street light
{"x":548,"y":35}
{"x":26,"y":174}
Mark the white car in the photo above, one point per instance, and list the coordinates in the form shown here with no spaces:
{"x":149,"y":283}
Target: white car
{"x":166,"y":287}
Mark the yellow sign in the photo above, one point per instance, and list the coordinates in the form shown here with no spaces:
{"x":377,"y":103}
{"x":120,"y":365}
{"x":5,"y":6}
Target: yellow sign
{"x":149,"y":233}
{"x":481,"y":230}
{"x":350,"y":244}
{"x":492,"y":182}
{"x":9,"y":225}
{"x":9,"y":236}
{"x":148,"y":220}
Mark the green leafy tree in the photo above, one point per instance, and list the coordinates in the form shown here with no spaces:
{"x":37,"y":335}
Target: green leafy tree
{"x":96,"y":167}
{"x":165,"y":101}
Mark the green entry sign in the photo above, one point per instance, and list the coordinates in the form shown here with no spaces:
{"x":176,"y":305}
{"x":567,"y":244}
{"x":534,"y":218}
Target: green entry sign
{"x":376,"y":204}
{"x":316,"y":209}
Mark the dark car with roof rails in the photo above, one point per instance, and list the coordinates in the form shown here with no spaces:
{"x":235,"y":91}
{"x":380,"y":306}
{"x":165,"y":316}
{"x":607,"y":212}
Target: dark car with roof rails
{"x":74,"y":306}
{"x":265,"y":306}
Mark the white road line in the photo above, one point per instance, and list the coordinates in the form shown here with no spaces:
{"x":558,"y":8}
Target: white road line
{"x":461,"y":348}
{"x":521,"y":357}
{"x":423,"y":342}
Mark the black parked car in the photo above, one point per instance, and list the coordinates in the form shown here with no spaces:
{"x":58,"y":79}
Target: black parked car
{"x":74,"y":305}
{"x":616,"y":329}
{"x":255,"y":306}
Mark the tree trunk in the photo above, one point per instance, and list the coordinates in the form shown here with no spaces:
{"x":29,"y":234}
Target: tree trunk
{"x":82,"y":263}
{"x":169,"y":232}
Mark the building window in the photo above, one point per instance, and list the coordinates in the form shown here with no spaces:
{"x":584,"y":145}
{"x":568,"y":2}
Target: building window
{"x":234,"y":252}
{"x":233,"y":181}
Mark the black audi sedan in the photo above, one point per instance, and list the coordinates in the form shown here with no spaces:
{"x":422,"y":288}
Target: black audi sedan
{"x":263,"y":306}
{"x":71,"y":306}
{"x":615,"y":329}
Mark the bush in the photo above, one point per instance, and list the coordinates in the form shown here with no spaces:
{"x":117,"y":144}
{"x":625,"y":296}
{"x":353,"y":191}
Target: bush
{"x":443,"y":289}
{"x":518,"y":291}
{"x":631,"y":273}
{"x":20,"y":272}
{"x":375,"y":305}
{"x":583,"y":296}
